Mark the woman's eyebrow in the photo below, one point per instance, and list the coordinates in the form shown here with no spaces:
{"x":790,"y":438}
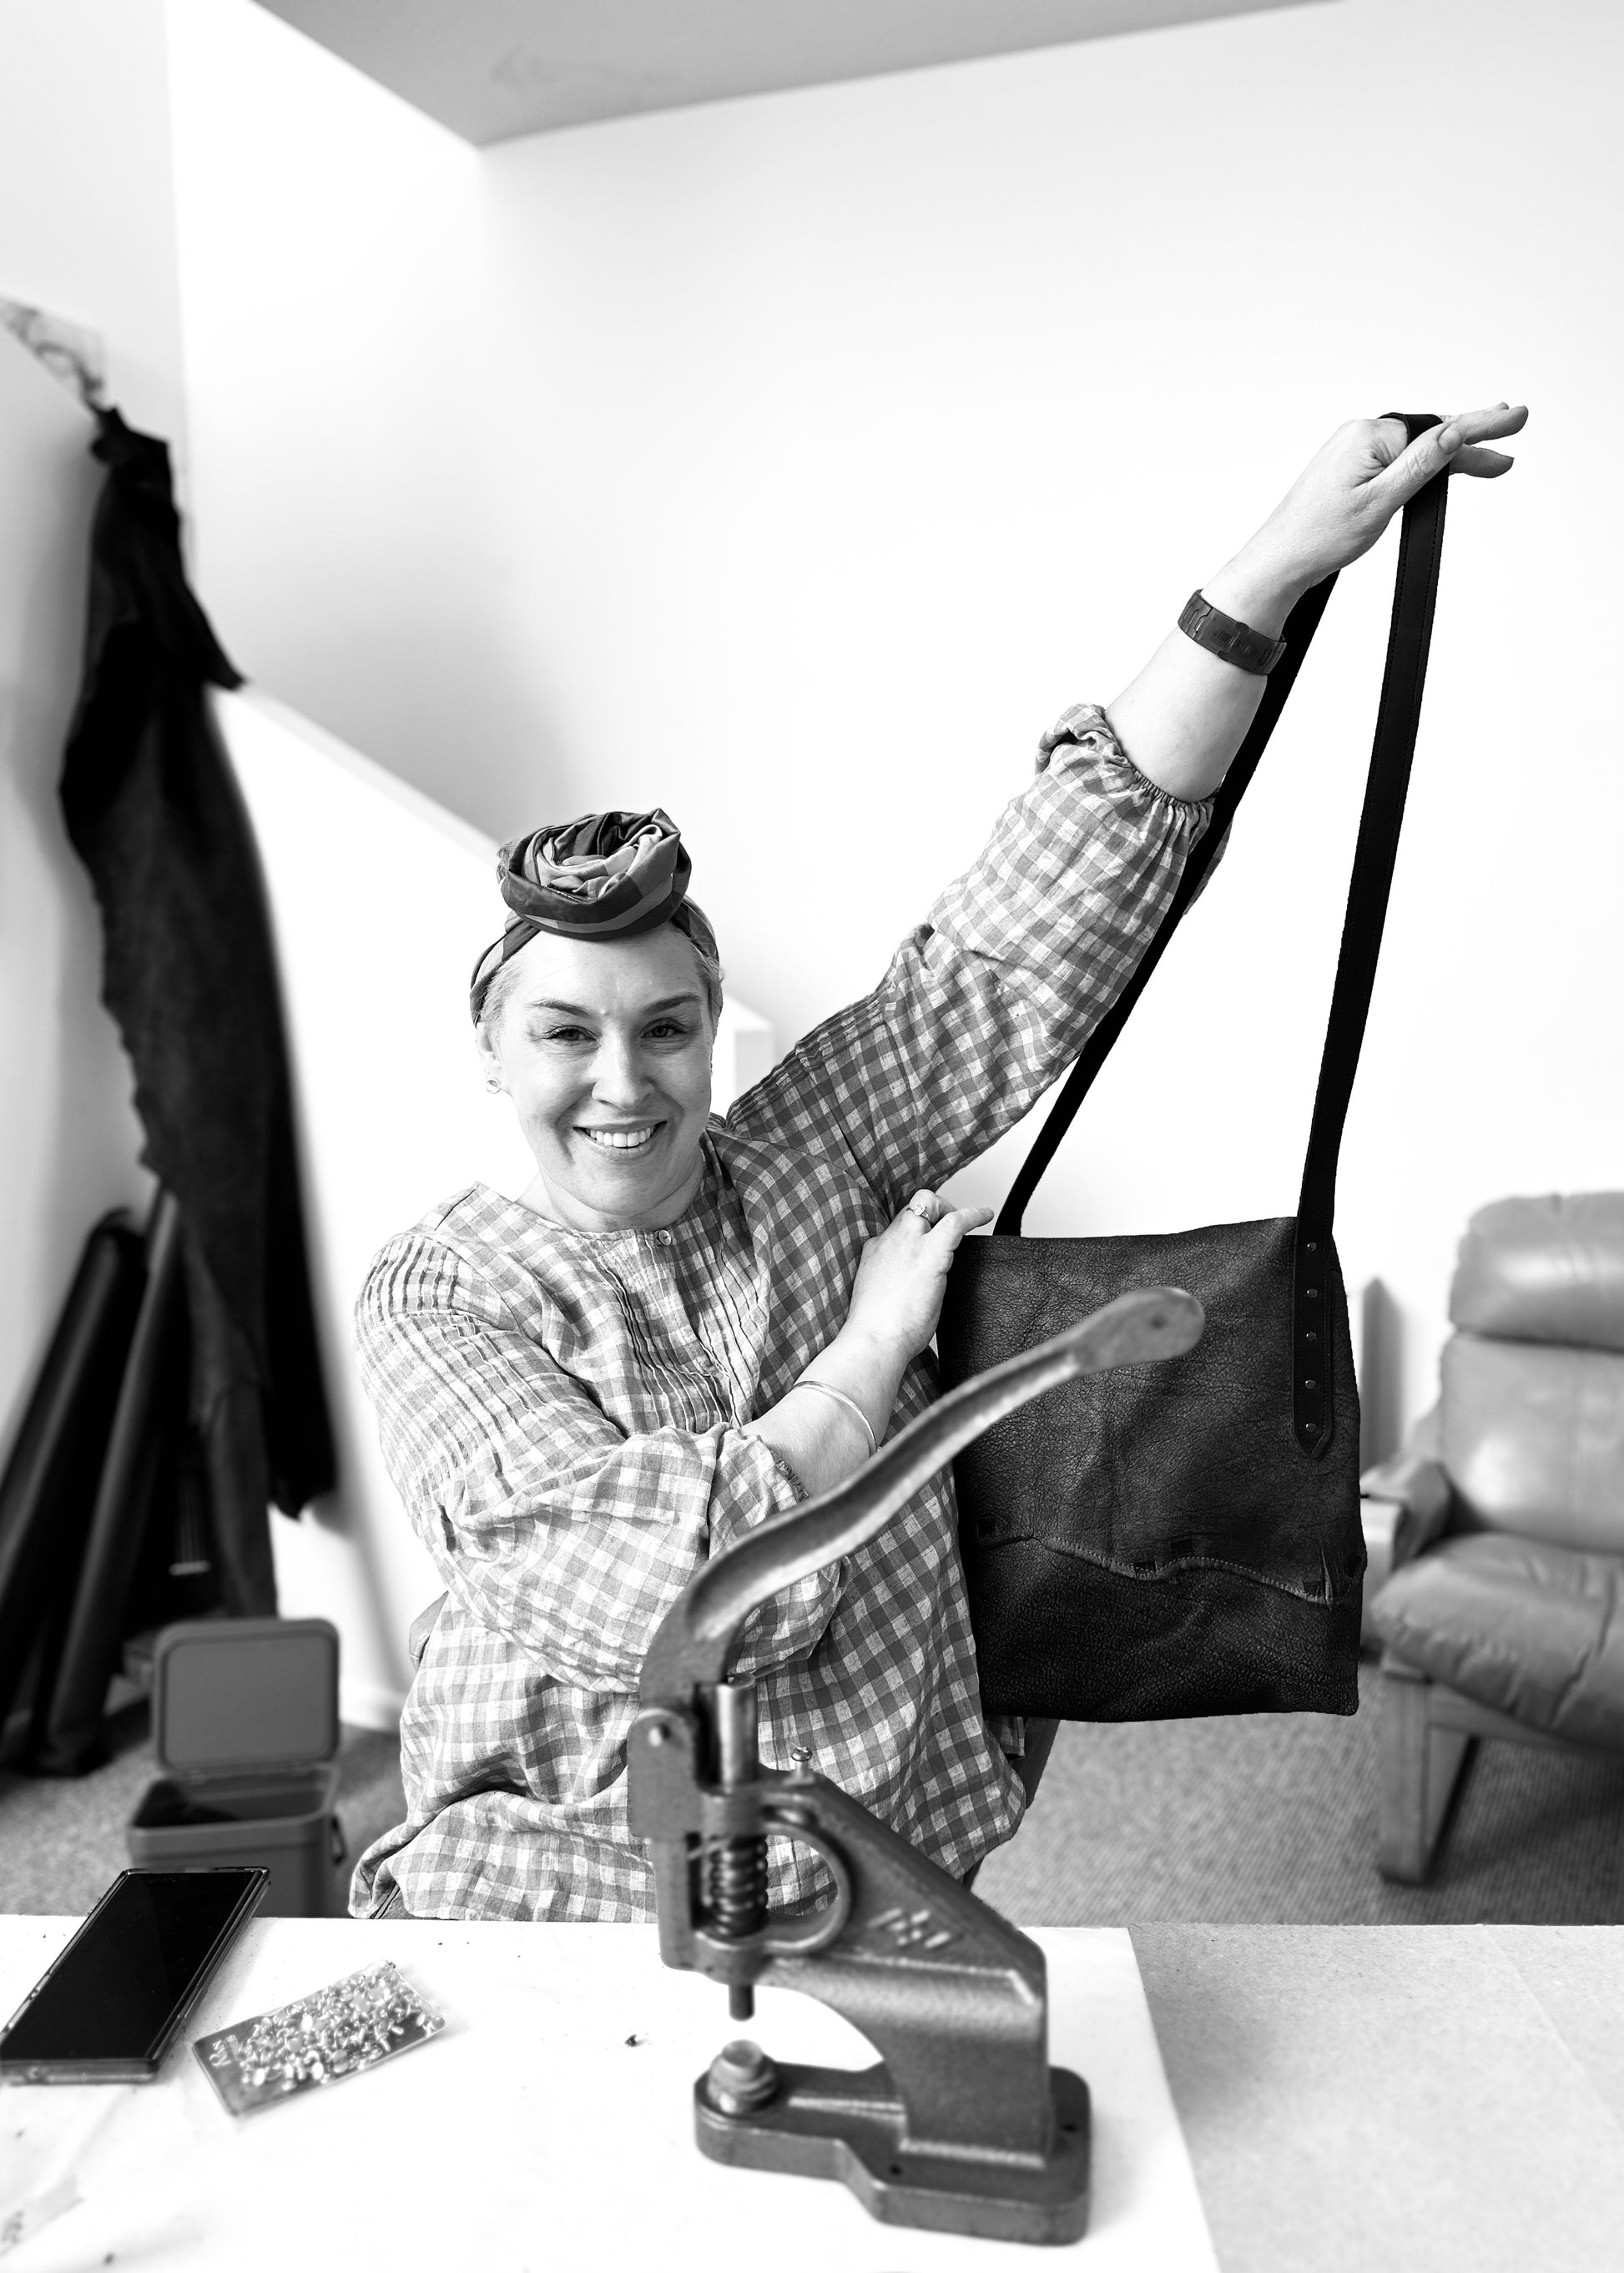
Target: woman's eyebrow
{"x":648,"y":1009}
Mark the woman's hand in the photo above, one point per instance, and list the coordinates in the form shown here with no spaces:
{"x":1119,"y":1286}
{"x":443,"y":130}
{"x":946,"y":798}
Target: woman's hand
{"x":1184,"y":717}
{"x":1347,"y":494}
{"x":896,"y":1301}
{"x":897,"y":1295}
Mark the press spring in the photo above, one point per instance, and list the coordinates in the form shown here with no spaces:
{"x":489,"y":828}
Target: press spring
{"x":738,"y":1888}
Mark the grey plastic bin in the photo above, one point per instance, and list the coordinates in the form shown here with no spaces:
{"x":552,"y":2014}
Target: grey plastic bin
{"x":245,"y":1730}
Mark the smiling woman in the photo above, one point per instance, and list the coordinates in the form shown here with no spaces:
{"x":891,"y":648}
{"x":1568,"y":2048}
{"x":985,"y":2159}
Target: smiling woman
{"x":604,"y":1049}
{"x":687,"y":1322}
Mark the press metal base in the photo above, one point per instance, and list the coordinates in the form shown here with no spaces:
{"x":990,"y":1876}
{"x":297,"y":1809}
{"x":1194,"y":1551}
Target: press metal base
{"x":838,"y":2123}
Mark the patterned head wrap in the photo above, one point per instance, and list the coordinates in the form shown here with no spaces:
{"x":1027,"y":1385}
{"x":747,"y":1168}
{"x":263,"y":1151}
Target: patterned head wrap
{"x":608,"y":876}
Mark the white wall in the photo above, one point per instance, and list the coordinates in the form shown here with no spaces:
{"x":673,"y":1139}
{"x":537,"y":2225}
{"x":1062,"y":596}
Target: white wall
{"x":863,"y":428}
{"x":86,"y":192}
{"x":87,"y":229}
{"x":393,"y":1115}
{"x":333,"y":289}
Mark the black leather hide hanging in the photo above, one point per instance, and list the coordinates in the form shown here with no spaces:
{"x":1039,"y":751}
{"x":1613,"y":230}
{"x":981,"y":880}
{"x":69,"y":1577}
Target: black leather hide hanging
{"x":154,"y":812}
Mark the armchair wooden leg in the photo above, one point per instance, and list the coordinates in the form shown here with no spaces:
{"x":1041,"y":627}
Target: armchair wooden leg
{"x":1420,"y":1767}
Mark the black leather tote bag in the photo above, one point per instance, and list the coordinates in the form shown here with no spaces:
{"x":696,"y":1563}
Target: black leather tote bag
{"x":1185,"y":1539}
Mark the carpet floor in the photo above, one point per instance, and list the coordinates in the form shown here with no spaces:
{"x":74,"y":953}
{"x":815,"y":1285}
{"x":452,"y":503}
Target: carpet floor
{"x":1271,"y":1819}
{"x":1250,"y":1820}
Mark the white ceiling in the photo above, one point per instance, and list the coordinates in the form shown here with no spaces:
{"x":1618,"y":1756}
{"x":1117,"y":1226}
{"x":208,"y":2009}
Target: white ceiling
{"x":490,"y":69}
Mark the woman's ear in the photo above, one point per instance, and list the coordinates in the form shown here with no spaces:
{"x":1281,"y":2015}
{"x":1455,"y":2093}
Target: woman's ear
{"x":490,"y":1061}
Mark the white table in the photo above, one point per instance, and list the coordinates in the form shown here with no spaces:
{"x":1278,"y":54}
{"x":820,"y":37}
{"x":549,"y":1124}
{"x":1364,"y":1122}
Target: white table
{"x":550,"y":2125}
{"x":1399,"y":2099}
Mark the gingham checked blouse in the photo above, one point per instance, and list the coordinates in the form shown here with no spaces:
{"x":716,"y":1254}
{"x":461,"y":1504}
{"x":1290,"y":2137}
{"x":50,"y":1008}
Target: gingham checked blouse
{"x":561,"y":1411}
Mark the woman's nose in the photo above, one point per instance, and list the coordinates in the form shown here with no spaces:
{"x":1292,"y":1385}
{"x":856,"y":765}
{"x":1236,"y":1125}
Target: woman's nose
{"x":619,"y":1076}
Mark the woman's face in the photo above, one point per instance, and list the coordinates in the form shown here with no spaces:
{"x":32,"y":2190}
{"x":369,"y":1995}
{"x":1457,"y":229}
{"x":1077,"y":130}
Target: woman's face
{"x":604,"y":1047}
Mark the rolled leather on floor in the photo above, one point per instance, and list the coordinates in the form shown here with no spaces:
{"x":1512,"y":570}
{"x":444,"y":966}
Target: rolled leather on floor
{"x":1530,"y":1628}
{"x":1548,"y":1270}
{"x":1533,"y":1439}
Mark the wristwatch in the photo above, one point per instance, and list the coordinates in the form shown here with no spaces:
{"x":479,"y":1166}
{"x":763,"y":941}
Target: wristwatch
{"x":1230,"y":640}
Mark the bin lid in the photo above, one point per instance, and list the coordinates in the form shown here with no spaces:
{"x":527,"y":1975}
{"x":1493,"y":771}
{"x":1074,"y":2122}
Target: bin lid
{"x":245,"y":1693}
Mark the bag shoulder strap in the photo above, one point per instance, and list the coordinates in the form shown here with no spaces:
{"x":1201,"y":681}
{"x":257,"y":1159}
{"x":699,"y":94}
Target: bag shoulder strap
{"x":1408,"y":637}
{"x":1300,"y":628}
{"x":1415,"y":595}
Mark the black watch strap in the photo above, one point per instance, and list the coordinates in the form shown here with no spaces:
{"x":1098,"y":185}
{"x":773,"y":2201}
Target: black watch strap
{"x":1229,"y":639}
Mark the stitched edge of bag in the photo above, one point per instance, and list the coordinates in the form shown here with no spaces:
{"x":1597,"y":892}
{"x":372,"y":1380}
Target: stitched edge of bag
{"x":1171,"y":1570}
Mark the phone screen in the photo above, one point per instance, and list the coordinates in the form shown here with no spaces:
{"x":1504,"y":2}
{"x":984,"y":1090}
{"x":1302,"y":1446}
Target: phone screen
{"x":110,"y":2006}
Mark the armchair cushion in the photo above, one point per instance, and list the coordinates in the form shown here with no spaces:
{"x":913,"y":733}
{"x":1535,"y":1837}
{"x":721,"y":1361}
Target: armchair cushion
{"x":1532,"y":1437}
{"x":1548,"y":1269}
{"x":1533,"y":1629}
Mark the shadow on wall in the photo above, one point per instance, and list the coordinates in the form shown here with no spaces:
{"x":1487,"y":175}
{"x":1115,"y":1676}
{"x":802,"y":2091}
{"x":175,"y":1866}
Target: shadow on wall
{"x":1380,"y":1326}
{"x":380,"y":900}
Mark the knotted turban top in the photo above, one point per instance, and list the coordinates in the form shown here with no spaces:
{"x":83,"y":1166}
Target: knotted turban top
{"x":608,"y":876}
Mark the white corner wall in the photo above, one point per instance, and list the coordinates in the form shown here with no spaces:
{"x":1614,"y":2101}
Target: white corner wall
{"x":380,"y":900}
{"x":87,"y":229}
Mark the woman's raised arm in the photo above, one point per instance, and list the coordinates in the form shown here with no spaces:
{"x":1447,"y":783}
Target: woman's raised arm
{"x":991,"y":997}
{"x":1187,"y":714}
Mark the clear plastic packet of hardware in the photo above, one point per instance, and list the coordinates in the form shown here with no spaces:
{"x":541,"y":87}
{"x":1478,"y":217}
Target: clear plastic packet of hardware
{"x":337,"y":2031}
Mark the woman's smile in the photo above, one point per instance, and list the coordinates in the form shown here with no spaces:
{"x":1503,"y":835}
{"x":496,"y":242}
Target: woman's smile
{"x":624,"y":1136}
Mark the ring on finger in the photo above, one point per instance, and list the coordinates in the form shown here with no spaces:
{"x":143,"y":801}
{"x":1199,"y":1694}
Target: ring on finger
{"x":924,"y":1208}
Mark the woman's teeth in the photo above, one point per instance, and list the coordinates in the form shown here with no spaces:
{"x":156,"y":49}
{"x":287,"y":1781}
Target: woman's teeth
{"x":622,"y":1140}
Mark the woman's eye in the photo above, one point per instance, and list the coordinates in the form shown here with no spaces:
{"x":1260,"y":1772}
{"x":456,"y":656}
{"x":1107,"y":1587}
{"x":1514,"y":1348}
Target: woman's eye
{"x":662,"y":1030}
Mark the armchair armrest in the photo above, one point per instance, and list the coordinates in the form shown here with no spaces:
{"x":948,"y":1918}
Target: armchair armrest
{"x":1405,"y":1504}
{"x":1408,"y":1499}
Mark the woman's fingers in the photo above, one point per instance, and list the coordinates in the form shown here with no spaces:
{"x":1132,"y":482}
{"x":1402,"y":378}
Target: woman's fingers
{"x":1491,"y":425}
{"x":933,"y":1213}
{"x":1453,"y":444}
{"x":1485,"y":464}
{"x":952,"y":1225}
{"x":1415,"y":466}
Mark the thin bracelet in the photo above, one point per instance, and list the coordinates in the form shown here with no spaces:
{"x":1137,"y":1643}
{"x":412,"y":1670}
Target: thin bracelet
{"x":828,"y":1389}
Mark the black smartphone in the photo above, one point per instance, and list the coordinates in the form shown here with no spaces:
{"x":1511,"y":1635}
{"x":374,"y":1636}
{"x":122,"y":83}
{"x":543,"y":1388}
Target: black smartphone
{"x":113,"y":2003}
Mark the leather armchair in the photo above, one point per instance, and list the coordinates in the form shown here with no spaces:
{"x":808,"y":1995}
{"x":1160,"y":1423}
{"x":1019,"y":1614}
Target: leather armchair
{"x":1502,"y":1520}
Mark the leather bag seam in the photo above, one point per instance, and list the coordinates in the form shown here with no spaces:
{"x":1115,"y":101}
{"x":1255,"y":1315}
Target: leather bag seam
{"x":1174,"y":1568}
